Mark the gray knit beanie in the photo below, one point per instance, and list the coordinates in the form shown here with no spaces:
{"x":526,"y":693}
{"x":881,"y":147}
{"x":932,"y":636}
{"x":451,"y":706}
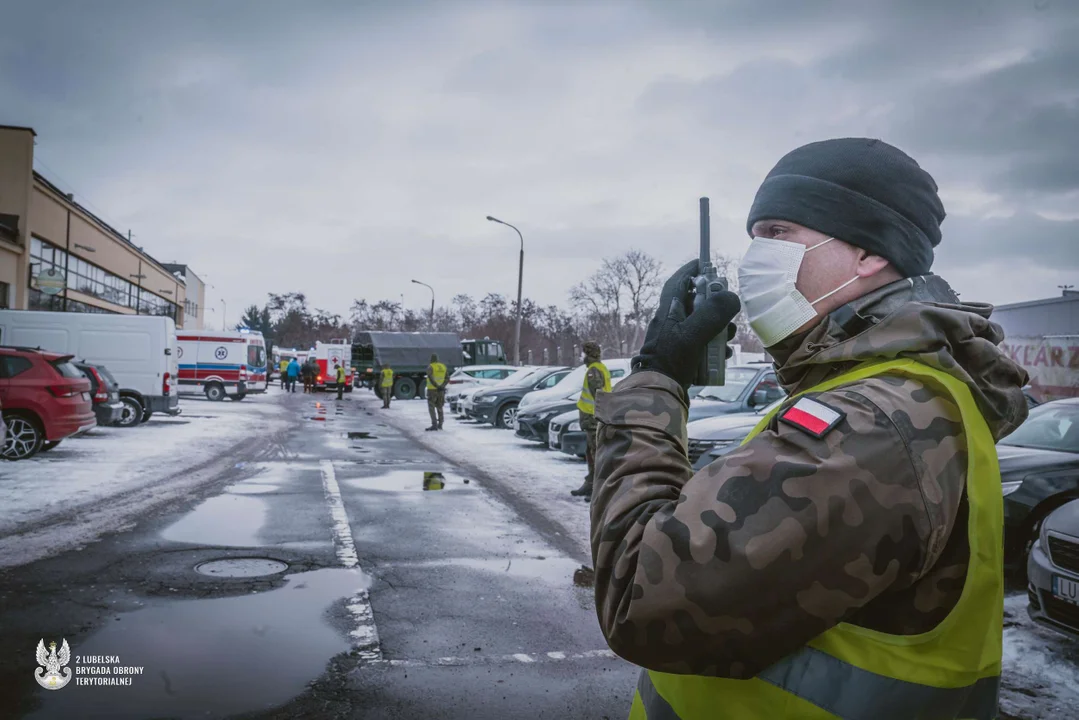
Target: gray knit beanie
{"x":864,"y":192}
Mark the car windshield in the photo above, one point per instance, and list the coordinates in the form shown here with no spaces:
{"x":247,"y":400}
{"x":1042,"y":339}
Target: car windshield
{"x":734,"y":383}
{"x":106,"y":375}
{"x":68,"y":370}
{"x":1053,"y":426}
{"x":517,"y":377}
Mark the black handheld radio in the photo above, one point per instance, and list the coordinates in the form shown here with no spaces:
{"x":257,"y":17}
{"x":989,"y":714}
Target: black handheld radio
{"x":714,"y":359}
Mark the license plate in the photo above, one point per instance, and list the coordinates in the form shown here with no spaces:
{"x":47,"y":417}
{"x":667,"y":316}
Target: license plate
{"x":86,"y":396}
{"x":1065,"y":589}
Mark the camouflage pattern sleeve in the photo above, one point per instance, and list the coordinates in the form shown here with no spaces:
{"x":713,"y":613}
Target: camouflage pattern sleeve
{"x":724,"y":572}
{"x":595,"y":380}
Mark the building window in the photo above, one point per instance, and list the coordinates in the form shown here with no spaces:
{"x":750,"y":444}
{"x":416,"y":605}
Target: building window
{"x":55,"y":303}
{"x":92,"y":280}
{"x":5,"y":295}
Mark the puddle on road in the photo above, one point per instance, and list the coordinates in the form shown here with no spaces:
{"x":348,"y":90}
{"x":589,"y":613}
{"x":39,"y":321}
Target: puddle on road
{"x":360,"y":435}
{"x":405,"y":480}
{"x":214,"y":658}
{"x":250,"y":488}
{"x":555,"y":570}
{"x":223,"y":520}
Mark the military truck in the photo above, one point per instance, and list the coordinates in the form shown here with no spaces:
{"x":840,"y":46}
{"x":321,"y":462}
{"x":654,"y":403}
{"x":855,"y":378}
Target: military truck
{"x":409,"y":353}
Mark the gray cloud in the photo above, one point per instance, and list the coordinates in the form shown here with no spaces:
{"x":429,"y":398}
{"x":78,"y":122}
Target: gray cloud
{"x":344,"y":148}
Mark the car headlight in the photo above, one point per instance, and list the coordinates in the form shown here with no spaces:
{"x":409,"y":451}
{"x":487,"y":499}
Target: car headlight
{"x":1009,"y":486}
{"x":722,"y":447}
{"x":574,"y":426}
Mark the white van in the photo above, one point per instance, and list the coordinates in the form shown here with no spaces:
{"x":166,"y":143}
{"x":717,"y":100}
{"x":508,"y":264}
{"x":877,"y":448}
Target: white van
{"x":221,"y":362}
{"x":139,"y":350}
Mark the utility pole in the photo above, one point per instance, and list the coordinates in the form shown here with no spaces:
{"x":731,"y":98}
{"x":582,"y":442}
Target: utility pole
{"x":520,"y":280}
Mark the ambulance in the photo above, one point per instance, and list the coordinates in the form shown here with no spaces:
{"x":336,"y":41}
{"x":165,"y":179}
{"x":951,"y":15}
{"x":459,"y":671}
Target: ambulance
{"x":220,"y":363}
{"x":339,"y":351}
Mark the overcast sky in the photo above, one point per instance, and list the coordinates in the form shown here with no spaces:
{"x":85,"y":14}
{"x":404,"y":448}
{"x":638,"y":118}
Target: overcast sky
{"x":343,"y":148}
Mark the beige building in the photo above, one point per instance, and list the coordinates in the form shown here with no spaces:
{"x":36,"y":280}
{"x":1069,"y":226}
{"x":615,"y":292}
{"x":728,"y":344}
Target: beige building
{"x":42,"y":229}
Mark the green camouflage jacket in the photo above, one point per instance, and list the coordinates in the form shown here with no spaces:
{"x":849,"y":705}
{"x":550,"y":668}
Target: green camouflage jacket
{"x":728,"y":570}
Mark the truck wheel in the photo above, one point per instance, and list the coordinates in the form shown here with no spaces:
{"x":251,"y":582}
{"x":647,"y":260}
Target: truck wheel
{"x":506,"y":417}
{"x":238,"y":398}
{"x":348,"y":388}
{"x":215,"y":392}
{"x":24,"y":438}
{"x":132,"y":412}
{"x":146,"y":415}
{"x":404,"y":388}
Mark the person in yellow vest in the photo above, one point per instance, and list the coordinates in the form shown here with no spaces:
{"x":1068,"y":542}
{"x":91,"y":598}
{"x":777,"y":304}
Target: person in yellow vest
{"x":339,"y":377}
{"x":846,"y":560}
{"x":284,"y":373}
{"x":437,"y":377}
{"x":386,"y":385}
{"x":596,"y":378}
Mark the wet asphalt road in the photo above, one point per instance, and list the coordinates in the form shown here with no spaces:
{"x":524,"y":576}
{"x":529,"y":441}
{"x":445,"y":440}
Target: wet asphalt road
{"x":386,"y":600}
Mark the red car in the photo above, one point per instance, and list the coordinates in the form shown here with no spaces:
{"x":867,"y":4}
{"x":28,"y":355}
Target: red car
{"x":45,"y":399}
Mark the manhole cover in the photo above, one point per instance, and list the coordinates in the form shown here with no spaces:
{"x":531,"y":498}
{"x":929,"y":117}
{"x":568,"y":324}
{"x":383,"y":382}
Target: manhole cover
{"x":240,"y":567}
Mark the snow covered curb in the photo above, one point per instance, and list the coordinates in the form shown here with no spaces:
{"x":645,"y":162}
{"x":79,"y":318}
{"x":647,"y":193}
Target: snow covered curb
{"x":100,"y":482}
{"x":538,"y":477}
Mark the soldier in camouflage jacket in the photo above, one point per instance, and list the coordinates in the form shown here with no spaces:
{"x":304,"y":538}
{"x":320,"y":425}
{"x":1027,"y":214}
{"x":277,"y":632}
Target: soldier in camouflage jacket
{"x":724,"y":572}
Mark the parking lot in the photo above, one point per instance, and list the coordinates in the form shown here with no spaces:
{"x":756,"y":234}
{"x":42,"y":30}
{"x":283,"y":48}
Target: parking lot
{"x":108,"y":525}
{"x":1041,"y":666}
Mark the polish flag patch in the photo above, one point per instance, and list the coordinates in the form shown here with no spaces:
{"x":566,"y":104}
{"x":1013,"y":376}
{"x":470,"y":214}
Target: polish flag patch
{"x":812,"y":416}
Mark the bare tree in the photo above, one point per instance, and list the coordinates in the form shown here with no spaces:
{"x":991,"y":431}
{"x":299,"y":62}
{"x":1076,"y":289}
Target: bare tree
{"x":642,"y":277}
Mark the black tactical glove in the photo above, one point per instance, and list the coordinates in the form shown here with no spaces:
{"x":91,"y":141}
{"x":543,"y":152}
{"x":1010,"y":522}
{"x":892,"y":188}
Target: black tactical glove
{"x":677,"y":337}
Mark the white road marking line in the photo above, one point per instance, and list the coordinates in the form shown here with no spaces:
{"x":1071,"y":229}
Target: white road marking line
{"x":523,"y":658}
{"x":365,"y":635}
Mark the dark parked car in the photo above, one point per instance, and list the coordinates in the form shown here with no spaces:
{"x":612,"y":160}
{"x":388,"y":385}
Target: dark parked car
{"x":104,"y":391}
{"x":714,"y":437}
{"x":747,"y":388}
{"x":560,"y":425}
{"x":533,"y":423}
{"x":1039,"y":472}
{"x":1053,"y":571}
{"x":498,"y":405}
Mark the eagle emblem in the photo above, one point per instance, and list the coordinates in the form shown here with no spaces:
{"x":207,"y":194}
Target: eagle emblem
{"x":52,"y":673}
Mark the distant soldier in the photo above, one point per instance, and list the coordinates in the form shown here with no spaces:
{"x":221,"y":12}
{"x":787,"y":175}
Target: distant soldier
{"x":437,"y":378}
{"x":596,"y":378}
{"x":386,"y":375}
{"x":339,"y":376}
{"x":308,"y":372}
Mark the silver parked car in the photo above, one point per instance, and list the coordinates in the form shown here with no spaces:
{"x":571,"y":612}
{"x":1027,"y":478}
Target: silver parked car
{"x":1053,"y":571}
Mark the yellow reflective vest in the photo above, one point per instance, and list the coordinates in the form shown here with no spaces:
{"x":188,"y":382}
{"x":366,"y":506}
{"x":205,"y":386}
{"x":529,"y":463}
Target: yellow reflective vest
{"x":951,"y":671}
{"x":436,"y":375}
{"x":587,"y":403}
{"x":340,"y":374}
{"x":387,"y":377}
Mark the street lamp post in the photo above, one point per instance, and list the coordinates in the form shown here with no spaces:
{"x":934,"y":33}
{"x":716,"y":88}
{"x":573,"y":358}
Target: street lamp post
{"x":431,"y":322}
{"x":520,"y":280}
{"x":224,"y":312}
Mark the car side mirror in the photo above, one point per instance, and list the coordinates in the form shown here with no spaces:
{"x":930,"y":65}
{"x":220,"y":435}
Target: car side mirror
{"x":758,"y":398}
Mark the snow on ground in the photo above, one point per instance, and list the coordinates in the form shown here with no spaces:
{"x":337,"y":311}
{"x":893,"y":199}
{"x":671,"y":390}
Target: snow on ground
{"x":542,"y":477}
{"x":56,"y":499}
{"x":1041,"y":666}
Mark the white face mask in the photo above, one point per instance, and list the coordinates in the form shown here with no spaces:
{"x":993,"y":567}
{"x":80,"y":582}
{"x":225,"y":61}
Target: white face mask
{"x":766,"y":285}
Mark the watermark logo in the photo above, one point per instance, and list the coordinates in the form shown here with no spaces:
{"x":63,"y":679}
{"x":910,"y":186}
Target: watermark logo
{"x":52,"y":673}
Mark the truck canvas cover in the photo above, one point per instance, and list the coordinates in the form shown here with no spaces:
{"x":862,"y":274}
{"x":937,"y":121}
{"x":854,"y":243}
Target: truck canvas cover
{"x":399,"y":350}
